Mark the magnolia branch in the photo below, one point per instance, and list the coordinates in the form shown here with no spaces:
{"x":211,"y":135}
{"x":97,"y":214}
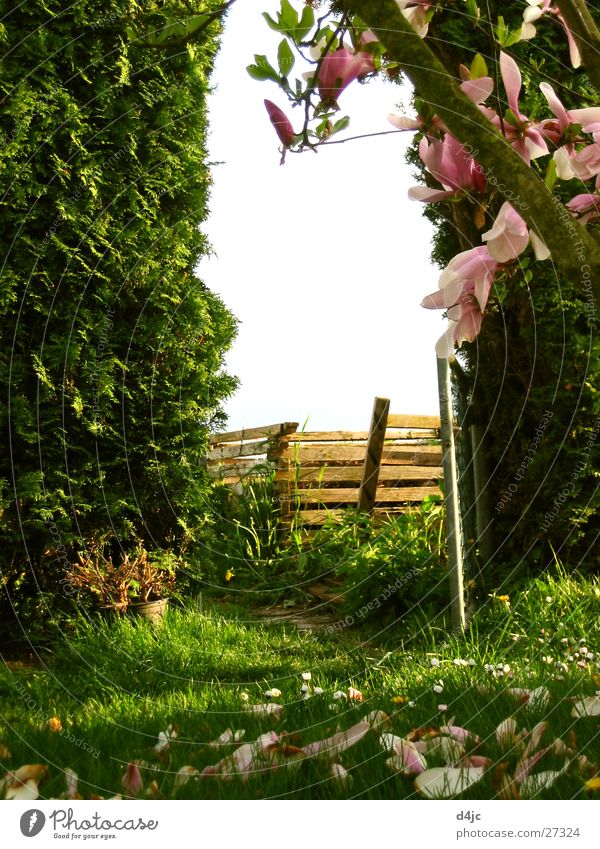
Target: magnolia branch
{"x":572,"y":247}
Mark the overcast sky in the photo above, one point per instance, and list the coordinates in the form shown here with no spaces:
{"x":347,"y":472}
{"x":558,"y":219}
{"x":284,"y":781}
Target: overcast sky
{"x":324,"y":260}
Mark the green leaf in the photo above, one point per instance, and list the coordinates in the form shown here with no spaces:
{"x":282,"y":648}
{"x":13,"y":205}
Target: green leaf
{"x":472,"y":9}
{"x":501,"y":31}
{"x":550,"y":176}
{"x":262,"y":70}
{"x":285,"y":57}
{"x":288,"y":17}
{"x":340,"y":125}
{"x":272,"y":23}
{"x":307,"y":22}
{"x":512,"y":38}
{"x":478,"y":68}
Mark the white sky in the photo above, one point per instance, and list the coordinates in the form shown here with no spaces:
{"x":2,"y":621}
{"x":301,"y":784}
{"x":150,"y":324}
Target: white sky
{"x":323,"y":260}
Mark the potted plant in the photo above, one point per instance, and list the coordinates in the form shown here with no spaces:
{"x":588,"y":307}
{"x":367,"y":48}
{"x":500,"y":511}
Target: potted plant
{"x":136,"y":583}
{"x":152,"y":583}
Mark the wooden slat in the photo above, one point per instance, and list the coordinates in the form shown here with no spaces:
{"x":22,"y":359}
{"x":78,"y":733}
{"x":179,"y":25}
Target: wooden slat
{"x":417,"y":455}
{"x":309,"y":454}
{"x":319,"y":517}
{"x":358,"y":436}
{"x":254,"y":433}
{"x":349,"y":495}
{"x":402,"y":420}
{"x":238,"y":449}
{"x":327,"y":436}
{"x":354,"y":473}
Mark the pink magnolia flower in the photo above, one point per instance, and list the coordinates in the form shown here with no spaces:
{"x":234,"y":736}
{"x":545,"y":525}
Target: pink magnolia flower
{"x":340,"y":68}
{"x":560,"y":128}
{"x":465,"y":285}
{"x":281,"y":123}
{"x":452,"y":166}
{"x":524,"y":137}
{"x":585,"y":207}
{"x":585,"y":164}
{"x":472,"y":272}
{"x":510,"y":236}
{"x":415,"y":12}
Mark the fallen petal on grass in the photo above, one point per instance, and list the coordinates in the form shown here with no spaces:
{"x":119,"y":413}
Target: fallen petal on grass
{"x":447,"y":782}
{"x":338,"y":742}
{"x":588,"y":706}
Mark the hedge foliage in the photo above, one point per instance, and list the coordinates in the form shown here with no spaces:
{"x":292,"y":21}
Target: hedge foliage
{"x":111,"y":349}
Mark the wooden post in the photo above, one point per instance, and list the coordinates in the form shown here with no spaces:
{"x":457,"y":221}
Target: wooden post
{"x":374,"y":452}
{"x":451,"y":502}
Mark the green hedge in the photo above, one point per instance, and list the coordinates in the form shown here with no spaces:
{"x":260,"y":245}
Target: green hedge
{"x":111,"y":351}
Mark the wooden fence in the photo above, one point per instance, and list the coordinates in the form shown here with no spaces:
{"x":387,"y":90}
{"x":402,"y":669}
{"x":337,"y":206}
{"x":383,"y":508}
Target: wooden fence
{"x":318,"y":474}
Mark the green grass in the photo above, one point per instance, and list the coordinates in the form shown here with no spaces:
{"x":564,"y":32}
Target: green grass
{"x":116,"y":684}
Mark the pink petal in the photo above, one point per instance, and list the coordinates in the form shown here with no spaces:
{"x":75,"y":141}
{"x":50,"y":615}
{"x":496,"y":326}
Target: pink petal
{"x":511,"y":77}
{"x":478,"y":90}
{"x":132,"y":779}
{"x":458,"y":733}
{"x":412,"y":761}
{"x":509,"y":235}
{"x":426,"y":195}
{"x":338,"y":742}
{"x":446,"y":782}
{"x":555,"y":105}
{"x":404,"y":123}
{"x":444,"y":347}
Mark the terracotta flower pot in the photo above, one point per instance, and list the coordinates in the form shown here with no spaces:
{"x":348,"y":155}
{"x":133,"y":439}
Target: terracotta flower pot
{"x":151,"y":611}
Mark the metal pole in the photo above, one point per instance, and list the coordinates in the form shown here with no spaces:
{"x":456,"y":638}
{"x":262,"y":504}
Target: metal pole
{"x":451,"y":502}
{"x":483,"y":513}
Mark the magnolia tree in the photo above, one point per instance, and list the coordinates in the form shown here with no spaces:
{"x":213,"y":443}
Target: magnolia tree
{"x":533,"y":182}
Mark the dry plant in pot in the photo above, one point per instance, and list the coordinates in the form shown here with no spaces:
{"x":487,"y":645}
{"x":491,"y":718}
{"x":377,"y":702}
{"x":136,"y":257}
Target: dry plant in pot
{"x":135,"y":584}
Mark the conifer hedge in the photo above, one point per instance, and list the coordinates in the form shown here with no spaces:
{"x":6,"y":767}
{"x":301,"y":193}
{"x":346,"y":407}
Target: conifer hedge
{"x":111,"y":348}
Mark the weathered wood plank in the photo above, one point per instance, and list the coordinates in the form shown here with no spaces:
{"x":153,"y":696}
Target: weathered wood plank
{"x":311,"y":454}
{"x":349,"y":495}
{"x":402,"y":420}
{"x":358,"y":436}
{"x":331,"y":474}
{"x":319,"y":517}
{"x":279,"y":429}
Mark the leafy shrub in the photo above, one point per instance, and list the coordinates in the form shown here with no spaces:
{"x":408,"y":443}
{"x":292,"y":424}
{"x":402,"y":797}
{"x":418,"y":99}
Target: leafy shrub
{"x":112,"y":349}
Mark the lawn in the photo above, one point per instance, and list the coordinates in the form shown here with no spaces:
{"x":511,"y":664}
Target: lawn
{"x":101,"y":697}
